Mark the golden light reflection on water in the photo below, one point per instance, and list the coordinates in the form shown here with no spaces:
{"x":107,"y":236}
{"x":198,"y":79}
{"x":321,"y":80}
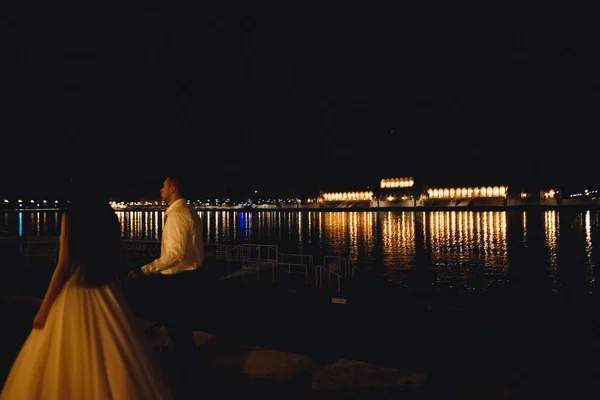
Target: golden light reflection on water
{"x":136,"y":218}
{"x":156,"y":227}
{"x":385,"y":239}
{"x":590,"y":267}
{"x":209,"y":225}
{"x":300,"y":231}
{"x":226,"y":218}
{"x":121,"y":222}
{"x":467,"y":242}
{"x":398,"y":243}
{"x":524,"y":219}
{"x":141,"y":225}
{"x":35,"y":221}
{"x":349,"y":233}
{"x":551,"y":230}
{"x":310,"y":222}
{"x":219,"y":226}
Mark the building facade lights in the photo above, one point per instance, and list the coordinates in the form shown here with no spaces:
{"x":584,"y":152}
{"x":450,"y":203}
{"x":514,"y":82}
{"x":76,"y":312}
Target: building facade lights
{"x":394,"y":183}
{"x":347,"y":196}
{"x":468,"y":192}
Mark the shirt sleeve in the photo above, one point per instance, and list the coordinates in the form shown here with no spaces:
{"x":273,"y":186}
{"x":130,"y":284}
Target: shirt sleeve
{"x":177,"y":231}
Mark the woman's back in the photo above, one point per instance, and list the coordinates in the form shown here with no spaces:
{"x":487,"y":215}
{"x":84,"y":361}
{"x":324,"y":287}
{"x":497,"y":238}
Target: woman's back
{"x":86,"y":343}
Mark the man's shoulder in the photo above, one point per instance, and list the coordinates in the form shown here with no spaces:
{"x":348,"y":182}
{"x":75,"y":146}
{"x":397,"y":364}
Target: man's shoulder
{"x":183,"y":210}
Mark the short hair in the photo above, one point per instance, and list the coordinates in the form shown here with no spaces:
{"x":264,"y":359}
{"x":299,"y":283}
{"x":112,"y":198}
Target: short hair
{"x":179,"y":182}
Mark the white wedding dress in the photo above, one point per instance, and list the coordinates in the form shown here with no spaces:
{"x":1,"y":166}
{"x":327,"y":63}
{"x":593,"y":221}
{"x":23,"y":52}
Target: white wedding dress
{"x":91,"y":348}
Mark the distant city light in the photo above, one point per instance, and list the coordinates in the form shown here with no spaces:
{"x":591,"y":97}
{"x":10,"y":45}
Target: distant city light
{"x":467,"y":193}
{"x":392,"y":183}
{"x":347,"y":196}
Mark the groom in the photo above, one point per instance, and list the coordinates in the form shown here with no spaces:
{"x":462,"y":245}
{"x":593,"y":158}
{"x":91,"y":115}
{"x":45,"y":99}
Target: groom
{"x":170,"y":278}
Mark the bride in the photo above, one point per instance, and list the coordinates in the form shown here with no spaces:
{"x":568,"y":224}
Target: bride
{"x":85,"y":342}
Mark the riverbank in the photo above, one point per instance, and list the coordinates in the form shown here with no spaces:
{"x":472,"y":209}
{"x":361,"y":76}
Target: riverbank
{"x":543,"y":353}
{"x":232,"y":368}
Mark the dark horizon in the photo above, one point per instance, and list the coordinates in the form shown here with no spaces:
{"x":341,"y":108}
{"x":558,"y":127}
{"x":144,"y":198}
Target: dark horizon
{"x":134,"y":188}
{"x":291,"y":99}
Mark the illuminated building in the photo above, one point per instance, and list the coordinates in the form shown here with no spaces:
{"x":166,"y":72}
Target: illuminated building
{"x":345,"y":196}
{"x":548,"y":194}
{"x":393,"y":189}
{"x":468,"y":192}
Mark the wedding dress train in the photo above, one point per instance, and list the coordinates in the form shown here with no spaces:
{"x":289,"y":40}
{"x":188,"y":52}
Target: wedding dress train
{"x":91,"y":347}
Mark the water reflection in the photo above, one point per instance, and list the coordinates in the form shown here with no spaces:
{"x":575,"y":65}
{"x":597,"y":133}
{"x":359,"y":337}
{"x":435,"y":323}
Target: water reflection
{"x":551,"y":231}
{"x":141,"y":225}
{"x":398,"y":243}
{"x":349,"y":234}
{"x":590,"y":267}
{"x":551,"y":247}
{"x":466,"y":244}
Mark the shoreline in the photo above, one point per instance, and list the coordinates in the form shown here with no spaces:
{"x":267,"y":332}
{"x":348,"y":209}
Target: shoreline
{"x":519,"y":207}
{"x":272,"y":318}
{"x":385,"y":208}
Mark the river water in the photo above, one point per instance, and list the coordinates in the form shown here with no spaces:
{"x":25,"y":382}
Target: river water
{"x":547,"y":248}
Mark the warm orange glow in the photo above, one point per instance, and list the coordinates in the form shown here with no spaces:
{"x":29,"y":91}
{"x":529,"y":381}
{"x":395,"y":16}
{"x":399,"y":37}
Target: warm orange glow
{"x":393,"y":183}
{"x":347,"y":196}
{"x":550,"y":194}
{"x":468,"y":193}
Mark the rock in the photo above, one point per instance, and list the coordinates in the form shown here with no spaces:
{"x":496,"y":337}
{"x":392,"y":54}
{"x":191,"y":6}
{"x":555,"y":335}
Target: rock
{"x":349,"y":374}
{"x":274,"y":364}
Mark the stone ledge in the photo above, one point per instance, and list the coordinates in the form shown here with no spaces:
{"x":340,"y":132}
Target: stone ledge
{"x":276,"y":365}
{"x":344,"y":375}
{"x":235,"y":356}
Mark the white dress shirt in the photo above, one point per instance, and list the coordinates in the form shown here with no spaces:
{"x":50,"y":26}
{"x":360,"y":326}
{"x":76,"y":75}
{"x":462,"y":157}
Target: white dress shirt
{"x":182,"y":244}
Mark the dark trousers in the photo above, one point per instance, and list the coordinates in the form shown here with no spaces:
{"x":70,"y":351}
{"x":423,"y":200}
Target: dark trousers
{"x":171,"y":300}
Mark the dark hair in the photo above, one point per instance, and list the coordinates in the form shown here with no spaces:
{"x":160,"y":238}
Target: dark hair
{"x":179,"y":182}
{"x":88,"y":188}
{"x":94,"y":236}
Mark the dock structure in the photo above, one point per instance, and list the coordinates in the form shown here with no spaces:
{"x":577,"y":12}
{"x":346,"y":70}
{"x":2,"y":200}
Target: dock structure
{"x":247,"y":262}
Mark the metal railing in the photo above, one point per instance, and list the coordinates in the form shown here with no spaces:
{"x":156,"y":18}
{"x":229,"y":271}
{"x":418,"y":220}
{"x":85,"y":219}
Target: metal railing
{"x":319,"y":269}
{"x":40,"y":248}
{"x":338,"y":264}
{"x":250,"y":257}
{"x":297,"y":259}
{"x":259,"y":267}
{"x":261,"y":257}
{"x":253,"y":252}
{"x":336,"y":267}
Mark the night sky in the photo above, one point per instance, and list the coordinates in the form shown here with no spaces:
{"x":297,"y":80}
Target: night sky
{"x":291,"y":98}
